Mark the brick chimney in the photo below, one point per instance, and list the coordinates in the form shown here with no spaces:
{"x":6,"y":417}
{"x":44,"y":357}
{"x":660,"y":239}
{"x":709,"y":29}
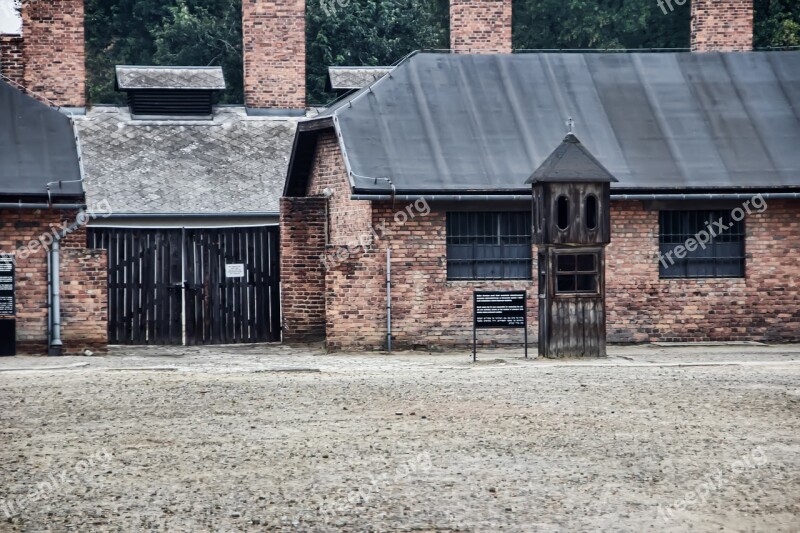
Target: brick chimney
{"x":274,"y":35}
{"x":722,"y":25}
{"x":480,"y":26}
{"x":12,"y":63}
{"x":54,"y":53}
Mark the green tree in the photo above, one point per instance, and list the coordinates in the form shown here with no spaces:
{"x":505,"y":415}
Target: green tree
{"x":162,"y":32}
{"x":777,"y":23}
{"x":379,"y":32}
{"x":598,"y":24}
{"x":367,"y":32}
{"x":202,"y":36}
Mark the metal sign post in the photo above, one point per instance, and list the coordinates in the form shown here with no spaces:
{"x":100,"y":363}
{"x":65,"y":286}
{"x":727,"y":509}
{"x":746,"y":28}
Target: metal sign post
{"x":499,"y":309}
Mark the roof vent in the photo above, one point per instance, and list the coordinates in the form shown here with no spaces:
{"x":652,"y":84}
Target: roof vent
{"x":170,"y":92}
{"x":345,"y":80}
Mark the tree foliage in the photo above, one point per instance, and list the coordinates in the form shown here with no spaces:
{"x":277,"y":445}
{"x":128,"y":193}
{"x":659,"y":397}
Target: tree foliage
{"x":369,"y":33}
{"x":379,"y":32}
{"x":162,"y":32}
{"x":777,"y":23}
{"x":598,"y":24}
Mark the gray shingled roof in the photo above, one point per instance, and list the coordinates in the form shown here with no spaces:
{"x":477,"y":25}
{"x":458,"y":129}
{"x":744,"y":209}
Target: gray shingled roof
{"x":235,"y":164}
{"x":656,"y":121}
{"x":198,"y":78}
{"x":348,"y":78}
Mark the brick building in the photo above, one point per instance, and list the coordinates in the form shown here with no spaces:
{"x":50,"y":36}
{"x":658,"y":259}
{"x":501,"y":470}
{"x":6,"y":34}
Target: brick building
{"x":428,"y":164}
{"x":59,"y":285}
{"x":188,"y":250}
{"x":42,"y":202}
{"x":427,"y":161}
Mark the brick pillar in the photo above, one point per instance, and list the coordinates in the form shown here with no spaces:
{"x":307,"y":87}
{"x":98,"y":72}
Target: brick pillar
{"x":302,"y":268}
{"x":12,"y":63}
{"x":55,"y":58}
{"x":722,"y":25}
{"x":274,"y":38}
{"x":480,"y":26}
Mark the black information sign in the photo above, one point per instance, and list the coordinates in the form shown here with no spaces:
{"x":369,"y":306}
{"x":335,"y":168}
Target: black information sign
{"x":499,"y":309}
{"x":7,"y":302}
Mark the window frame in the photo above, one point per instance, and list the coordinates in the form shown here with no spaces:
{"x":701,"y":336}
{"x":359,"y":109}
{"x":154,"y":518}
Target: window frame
{"x":670,"y":240}
{"x":595,"y":271}
{"x":474,"y":236}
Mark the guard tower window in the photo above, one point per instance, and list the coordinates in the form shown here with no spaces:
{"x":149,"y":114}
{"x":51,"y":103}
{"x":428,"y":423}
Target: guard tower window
{"x":562,"y":212}
{"x":717,"y":255}
{"x":590,"y":214}
{"x":488,"y":246}
{"x":577,"y":273}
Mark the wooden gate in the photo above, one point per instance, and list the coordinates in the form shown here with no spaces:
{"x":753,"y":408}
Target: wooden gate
{"x":194,"y":285}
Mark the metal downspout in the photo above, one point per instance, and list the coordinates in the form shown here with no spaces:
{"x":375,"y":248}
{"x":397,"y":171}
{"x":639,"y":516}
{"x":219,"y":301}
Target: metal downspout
{"x":56,"y":346}
{"x":389,"y":299}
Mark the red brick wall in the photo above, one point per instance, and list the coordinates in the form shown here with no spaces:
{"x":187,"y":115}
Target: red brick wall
{"x":348,"y":220}
{"x":54,"y":51}
{"x":302,"y":271}
{"x":428,"y":311}
{"x":84,"y":295}
{"x":83,"y":283}
{"x":12,"y":63}
{"x":274,"y":39}
{"x":722,"y":25}
{"x":763,"y":306}
{"x":480,"y":26}
{"x":431,"y":312}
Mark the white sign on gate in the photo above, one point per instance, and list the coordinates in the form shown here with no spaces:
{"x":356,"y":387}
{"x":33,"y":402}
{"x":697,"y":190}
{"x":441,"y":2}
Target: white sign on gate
{"x":235,"y":270}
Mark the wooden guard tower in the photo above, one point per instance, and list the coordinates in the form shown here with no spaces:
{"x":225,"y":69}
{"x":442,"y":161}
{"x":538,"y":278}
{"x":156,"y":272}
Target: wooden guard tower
{"x":571,"y":226}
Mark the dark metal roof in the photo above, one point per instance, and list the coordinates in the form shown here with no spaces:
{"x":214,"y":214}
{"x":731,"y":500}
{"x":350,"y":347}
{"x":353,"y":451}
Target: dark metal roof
{"x":37,"y":146}
{"x":572,"y":162}
{"x":671,"y":121}
{"x":150,"y":77}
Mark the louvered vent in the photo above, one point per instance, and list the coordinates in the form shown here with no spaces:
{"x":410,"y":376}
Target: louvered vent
{"x":170,"y":103}
{"x":170,"y":92}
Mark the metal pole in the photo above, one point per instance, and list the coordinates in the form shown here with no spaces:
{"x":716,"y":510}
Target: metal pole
{"x":56,"y":345}
{"x":389,"y":299}
{"x":474,"y":343}
{"x":474,"y":327}
{"x":525,"y":321}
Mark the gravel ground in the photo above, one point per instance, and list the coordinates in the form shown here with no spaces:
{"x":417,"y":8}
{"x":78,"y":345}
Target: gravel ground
{"x":270,"y":438}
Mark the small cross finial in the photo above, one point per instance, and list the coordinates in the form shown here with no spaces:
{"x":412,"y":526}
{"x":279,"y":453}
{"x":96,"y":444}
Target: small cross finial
{"x":570,"y":125}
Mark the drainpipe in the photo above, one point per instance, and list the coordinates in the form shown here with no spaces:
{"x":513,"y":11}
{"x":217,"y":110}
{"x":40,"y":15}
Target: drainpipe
{"x":49,"y":298}
{"x":55,"y":347}
{"x":389,"y":299}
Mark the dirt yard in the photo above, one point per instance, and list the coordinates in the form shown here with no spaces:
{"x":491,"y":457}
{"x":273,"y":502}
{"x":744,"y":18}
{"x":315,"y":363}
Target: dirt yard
{"x":274,"y":439}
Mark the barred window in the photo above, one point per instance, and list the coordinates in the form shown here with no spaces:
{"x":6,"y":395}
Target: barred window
{"x":488,"y":245}
{"x":710,"y":242}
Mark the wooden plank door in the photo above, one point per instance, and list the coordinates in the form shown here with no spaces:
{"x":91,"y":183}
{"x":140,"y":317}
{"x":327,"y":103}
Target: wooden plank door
{"x":232,"y":285}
